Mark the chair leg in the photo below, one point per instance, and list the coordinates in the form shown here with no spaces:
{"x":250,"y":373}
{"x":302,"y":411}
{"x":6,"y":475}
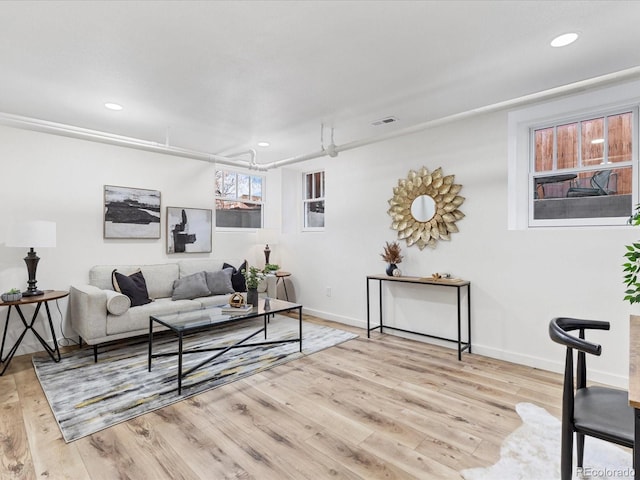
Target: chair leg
{"x":95,"y":354}
{"x":579,"y":448}
{"x":566,"y":453}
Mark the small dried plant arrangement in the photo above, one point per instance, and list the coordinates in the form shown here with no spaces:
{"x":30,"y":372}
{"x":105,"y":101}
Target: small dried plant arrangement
{"x":391,"y":253}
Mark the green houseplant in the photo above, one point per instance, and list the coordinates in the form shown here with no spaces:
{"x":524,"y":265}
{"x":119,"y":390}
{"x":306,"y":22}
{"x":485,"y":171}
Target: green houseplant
{"x":632,"y":265}
{"x":252,"y":277}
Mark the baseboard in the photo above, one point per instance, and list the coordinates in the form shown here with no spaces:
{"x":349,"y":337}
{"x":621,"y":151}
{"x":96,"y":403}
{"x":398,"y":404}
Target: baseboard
{"x":506,"y":355}
{"x":354,"y":322}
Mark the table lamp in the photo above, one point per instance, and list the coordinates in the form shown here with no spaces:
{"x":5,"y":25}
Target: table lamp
{"x":30,"y":234}
{"x":268,"y":236}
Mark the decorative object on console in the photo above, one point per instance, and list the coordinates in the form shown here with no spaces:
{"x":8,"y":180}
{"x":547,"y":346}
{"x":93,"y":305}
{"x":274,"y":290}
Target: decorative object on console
{"x":267,"y":236}
{"x":30,"y":234}
{"x":131,"y":212}
{"x":424,"y":207}
{"x":392,"y":256}
{"x":133,"y":286}
{"x":188,"y":230}
{"x":12,"y":295}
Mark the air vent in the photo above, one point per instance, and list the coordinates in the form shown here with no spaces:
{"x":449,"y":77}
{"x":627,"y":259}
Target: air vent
{"x":384,"y":121}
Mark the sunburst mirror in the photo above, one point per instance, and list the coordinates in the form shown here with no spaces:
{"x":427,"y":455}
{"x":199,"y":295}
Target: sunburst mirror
{"x":424,"y":207}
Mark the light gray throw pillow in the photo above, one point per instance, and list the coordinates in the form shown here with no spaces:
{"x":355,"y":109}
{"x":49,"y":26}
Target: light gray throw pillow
{"x":191,"y":286}
{"x":219,"y":282}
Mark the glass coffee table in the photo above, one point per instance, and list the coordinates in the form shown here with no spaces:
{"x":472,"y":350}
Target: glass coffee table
{"x":212,"y":318}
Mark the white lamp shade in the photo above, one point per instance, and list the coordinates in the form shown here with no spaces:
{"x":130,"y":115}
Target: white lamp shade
{"x":36,"y":233}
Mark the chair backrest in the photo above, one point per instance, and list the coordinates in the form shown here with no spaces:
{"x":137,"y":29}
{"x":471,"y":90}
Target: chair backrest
{"x":600,"y":181}
{"x":558,"y":328}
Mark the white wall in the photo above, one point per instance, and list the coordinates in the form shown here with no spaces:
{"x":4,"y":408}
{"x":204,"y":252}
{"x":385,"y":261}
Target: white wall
{"x":520,"y":279}
{"x":61,"y":179}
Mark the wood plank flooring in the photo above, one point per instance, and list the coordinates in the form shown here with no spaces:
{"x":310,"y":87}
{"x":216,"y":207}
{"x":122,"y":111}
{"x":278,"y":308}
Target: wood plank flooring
{"x":379,"y":408}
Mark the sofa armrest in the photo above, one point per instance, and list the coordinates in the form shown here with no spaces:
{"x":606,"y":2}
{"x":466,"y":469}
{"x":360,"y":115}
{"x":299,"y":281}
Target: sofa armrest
{"x":88,"y":311}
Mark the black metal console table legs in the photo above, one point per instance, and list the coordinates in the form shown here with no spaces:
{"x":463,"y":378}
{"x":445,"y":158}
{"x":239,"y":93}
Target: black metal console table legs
{"x":457,"y":284}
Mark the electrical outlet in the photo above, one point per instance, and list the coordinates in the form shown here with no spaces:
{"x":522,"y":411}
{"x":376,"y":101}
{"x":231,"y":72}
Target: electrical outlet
{"x":328,"y":291}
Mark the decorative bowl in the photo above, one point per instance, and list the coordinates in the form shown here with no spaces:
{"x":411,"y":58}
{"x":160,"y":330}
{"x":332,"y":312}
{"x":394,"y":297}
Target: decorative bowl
{"x":11,"y":297}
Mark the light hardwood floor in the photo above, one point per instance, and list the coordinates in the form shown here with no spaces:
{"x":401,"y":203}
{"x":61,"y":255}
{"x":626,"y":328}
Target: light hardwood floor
{"x":379,"y":408}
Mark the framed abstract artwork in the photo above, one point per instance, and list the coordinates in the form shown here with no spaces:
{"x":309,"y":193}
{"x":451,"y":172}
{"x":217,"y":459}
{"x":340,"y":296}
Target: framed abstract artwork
{"x":131,"y":212}
{"x":189,"y":230}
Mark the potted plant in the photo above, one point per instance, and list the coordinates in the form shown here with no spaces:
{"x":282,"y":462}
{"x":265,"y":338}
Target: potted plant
{"x":392,"y":256}
{"x":632,"y":265}
{"x":271,"y":268}
{"x":252,"y":277}
{"x":12,"y":295}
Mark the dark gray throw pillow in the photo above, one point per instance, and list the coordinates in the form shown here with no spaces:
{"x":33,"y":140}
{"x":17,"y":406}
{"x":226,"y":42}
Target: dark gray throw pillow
{"x":237,"y":277}
{"x":219,"y":282}
{"x":191,"y":286}
{"x":133,"y":286}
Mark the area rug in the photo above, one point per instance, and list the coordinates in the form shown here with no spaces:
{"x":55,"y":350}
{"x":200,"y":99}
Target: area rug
{"x":86,"y":397}
{"x":532,"y":451}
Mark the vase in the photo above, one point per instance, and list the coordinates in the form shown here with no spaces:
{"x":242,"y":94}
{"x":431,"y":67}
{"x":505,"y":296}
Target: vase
{"x":11,"y":297}
{"x":391,"y":268}
{"x":252,"y":296}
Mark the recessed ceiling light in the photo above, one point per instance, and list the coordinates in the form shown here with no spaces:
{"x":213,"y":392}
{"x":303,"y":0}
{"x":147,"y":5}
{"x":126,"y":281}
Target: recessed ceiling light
{"x":113,"y":106}
{"x":564,"y":39}
{"x":597,"y":140}
{"x":263,"y":144}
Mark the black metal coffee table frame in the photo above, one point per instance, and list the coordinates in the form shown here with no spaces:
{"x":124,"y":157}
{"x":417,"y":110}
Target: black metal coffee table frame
{"x":180,"y":328}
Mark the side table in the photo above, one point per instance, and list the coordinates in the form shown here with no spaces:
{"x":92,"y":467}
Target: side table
{"x":280,"y":275}
{"x":39,"y":300}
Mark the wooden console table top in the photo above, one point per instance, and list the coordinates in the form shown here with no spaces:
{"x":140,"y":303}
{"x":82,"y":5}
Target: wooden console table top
{"x":456,"y":282}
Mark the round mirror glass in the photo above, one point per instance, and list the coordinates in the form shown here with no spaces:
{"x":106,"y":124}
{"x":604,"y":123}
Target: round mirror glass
{"x":423,"y":208}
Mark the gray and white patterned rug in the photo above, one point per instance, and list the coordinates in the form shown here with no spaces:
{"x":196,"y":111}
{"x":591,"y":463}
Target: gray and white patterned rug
{"x":86,"y":397}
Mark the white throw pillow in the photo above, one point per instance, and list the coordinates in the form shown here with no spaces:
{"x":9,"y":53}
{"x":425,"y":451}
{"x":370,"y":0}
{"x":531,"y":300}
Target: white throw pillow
{"x":117,"y":303}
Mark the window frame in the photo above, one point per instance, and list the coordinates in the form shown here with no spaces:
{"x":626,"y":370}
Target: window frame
{"x":521,"y":150}
{"x":261,"y":202}
{"x":580,"y":119}
{"x":312,"y":199}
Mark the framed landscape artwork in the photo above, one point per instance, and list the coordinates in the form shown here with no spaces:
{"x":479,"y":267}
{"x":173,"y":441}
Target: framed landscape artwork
{"x":131,"y":212}
{"x":189,"y":230}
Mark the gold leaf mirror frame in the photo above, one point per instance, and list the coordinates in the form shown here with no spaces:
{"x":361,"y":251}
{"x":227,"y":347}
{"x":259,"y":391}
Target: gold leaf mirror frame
{"x":424,"y":207}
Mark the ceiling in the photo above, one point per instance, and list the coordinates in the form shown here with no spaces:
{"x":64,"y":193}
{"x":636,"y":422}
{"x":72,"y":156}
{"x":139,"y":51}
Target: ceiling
{"x":217,"y":76}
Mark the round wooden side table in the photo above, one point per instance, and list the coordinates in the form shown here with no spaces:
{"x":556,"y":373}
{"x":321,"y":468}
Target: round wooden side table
{"x":47,"y":296}
{"x":280,"y":275}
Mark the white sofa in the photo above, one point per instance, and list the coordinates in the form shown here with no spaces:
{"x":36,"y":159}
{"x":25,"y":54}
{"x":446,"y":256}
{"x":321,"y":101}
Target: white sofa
{"x":98,"y":314}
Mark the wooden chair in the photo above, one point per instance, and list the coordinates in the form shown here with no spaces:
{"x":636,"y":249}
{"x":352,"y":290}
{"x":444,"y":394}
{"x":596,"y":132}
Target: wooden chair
{"x":599,"y":412}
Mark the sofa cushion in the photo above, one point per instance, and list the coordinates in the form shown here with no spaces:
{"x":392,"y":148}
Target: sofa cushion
{"x":237,"y":278}
{"x":219,"y":282}
{"x":117,"y":303}
{"x":159,"y":277}
{"x":138,"y":318}
{"x":133,"y":286}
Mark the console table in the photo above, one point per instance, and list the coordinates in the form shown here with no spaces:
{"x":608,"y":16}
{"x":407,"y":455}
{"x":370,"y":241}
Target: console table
{"x":427,"y":282}
{"x":47,"y":296}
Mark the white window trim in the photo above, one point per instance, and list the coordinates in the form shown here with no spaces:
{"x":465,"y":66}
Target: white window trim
{"x":305,"y":200}
{"x":520,"y":123}
{"x":263,"y":202}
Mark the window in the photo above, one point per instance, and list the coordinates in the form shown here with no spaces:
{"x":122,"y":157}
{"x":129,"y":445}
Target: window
{"x":313,"y":200}
{"x":582,"y":169}
{"x":239,"y":200}
{"x":573,"y":160}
